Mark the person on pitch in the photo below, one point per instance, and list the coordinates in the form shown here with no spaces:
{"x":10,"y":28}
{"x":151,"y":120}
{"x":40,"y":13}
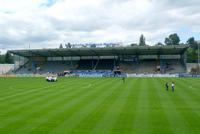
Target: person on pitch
{"x":173,"y":85}
{"x":124,"y":79}
{"x":167,"y":86}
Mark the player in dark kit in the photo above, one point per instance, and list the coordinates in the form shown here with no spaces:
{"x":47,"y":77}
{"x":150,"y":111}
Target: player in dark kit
{"x":167,"y":86}
{"x":124,"y":79}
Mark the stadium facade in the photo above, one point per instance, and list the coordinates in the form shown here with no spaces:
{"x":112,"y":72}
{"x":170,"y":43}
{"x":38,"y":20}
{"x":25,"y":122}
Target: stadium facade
{"x":112,"y":60}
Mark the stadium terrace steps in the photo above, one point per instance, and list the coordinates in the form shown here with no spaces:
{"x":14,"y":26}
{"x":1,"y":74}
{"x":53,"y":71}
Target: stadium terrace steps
{"x":128,"y":67}
{"x":144,"y":66}
{"x":147,"y":67}
{"x":96,"y":64}
{"x":173,"y":66}
{"x":86,"y":64}
{"x":105,"y":64}
{"x":56,"y":67}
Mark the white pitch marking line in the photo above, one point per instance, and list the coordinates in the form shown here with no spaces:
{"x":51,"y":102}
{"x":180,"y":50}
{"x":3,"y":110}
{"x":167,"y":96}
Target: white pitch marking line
{"x":88,"y":86}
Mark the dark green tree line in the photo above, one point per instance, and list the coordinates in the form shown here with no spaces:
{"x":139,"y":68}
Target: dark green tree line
{"x":6,"y":59}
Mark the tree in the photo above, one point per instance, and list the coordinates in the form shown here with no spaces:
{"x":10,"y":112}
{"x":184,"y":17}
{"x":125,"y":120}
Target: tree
{"x":68,"y":45}
{"x":192,"y":52}
{"x":173,"y":39}
{"x":8,"y":58}
{"x":192,"y":43}
{"x":93,"y":45}
{"x":142,"y":40}
{"x":159,"y":44}
{"x":168,"y":41}
{"x":1,"y":59}
{"x":61,"y":47}
{"x":134,"y":44}
{"x":192,"y":56}
{"x":191,"y":40}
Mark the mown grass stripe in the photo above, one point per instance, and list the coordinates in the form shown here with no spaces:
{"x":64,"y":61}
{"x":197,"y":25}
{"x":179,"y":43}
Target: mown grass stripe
{"x":7,"y":89}
{"x":81,"y":107}
{"x":125,"y":120}
{"x":107,"y":121}
{"x":86,"y":110}
{"x":159,"y":120}
{"x":18,"y":103}
{"x":193,"y":89}
{"x":141,"y":121}
{"x":40,"y":105}
{"x":47,"y":115}
{"x":189,"y":116}
{"x":192,"y":98}
{"x":31,"y":90}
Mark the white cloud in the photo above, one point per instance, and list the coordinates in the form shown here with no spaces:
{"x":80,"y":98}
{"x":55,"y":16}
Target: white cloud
{"x":47,"y":23}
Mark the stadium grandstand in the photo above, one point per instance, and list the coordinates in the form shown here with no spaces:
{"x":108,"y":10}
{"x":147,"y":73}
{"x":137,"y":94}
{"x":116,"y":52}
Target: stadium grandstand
{"x":102,"y":60}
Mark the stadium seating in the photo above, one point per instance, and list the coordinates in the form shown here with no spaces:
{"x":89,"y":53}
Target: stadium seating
{"x":105,"y":64}
{"x":172,"y":66}
{"x":128,"y":67}
{"x":142,"y":67}
{"x":86,"y":64}
{"x":45,"y":67}
{"x":132,"y":60}
{"x":56,"y":67}
{"x":147,"y":66}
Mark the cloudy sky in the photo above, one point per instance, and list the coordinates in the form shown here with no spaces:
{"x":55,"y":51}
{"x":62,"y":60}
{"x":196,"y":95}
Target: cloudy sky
{"x":47,"y":23}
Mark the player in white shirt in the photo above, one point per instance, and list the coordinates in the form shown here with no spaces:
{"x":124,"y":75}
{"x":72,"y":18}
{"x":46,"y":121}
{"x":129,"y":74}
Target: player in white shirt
{"x":173,"y":85}
{"x":54,"y":79}
{"x":47,"y":78}
{"x":51,"y":78}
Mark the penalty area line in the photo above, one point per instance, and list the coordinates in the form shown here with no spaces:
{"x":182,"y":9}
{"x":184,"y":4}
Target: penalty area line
{"x":87,"y":86}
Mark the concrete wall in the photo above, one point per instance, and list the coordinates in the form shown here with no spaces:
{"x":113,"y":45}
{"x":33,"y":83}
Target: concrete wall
{"x":4,"y":68}
{"x":190,"y":66}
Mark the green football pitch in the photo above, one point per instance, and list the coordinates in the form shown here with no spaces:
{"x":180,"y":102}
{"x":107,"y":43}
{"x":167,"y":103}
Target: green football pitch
{"x":99,"y":106}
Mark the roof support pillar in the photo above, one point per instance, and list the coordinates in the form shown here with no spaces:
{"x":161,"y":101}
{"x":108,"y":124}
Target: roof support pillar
{"x":137,"y":63}
{"x":52,"y":66}
{"x":33,"y":66}
{"x":185,"y":59}
{"x":114,"y":63}
{"x":92,"y":64}
{"x":161,"y":63}
{"x":72,"y":64}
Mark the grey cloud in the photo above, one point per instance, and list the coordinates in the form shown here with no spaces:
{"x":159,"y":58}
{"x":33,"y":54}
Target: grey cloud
{"x":113,"y":18}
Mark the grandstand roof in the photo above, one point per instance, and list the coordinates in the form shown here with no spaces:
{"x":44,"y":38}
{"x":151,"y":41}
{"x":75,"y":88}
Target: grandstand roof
{"x":106,"y":51}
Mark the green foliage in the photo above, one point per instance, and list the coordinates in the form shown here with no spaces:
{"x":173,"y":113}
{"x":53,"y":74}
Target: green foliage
{"x":68,"y":45}
{"x":159,"y":44}
{"x":93,"y":46}
{"x":192,"y":43}
{"x":191,"y":40}
{"x":192,"y":53}
{"x":2,"y":59}
{"x":142,"y":40}
{"x":168,"y":41}
{"x":134,"y":44}
{"x":192,"y":56}
{"x":61,"y":46}
{"x":6,"y":59}
{"x":173,"y":39}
